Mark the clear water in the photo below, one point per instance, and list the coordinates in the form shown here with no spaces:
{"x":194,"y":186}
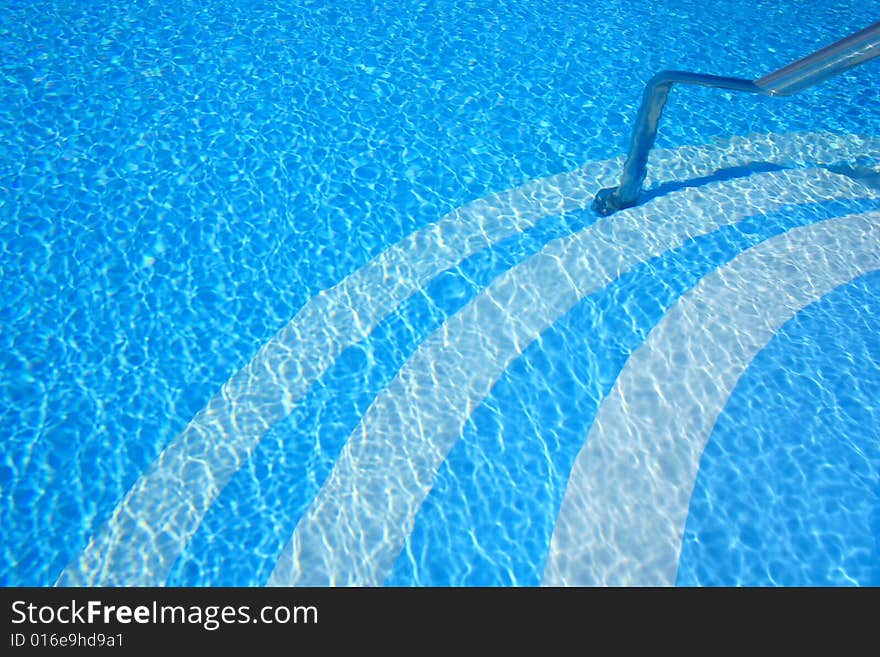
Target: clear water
{"x":178,"y":179}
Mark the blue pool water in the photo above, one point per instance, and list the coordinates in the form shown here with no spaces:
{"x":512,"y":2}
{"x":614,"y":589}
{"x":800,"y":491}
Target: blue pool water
{"x":181,"y":180}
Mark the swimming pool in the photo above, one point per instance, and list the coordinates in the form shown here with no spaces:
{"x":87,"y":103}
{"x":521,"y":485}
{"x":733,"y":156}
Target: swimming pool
{"x":311,"y":293}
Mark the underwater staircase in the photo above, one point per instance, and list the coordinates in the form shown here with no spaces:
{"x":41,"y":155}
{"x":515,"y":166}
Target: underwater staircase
{"x":751,"y":229}
{"x":184,"y":520}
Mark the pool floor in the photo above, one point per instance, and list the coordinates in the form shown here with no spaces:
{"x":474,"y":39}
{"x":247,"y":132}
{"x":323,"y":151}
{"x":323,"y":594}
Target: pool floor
{"x":296,"y":293}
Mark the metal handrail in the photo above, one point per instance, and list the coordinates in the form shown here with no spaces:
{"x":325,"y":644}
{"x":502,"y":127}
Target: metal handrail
{"x":840,"y":56}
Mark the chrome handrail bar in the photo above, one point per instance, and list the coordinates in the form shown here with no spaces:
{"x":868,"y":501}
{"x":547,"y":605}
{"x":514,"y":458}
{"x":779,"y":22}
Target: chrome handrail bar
{"x":857,"y":48}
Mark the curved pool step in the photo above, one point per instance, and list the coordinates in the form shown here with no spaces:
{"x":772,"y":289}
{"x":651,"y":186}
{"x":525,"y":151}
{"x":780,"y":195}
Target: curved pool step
{"x":788,"y":487}
{"x":165,"y":506}
{"x":367,"y":507}
{"x":628,"y":495}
